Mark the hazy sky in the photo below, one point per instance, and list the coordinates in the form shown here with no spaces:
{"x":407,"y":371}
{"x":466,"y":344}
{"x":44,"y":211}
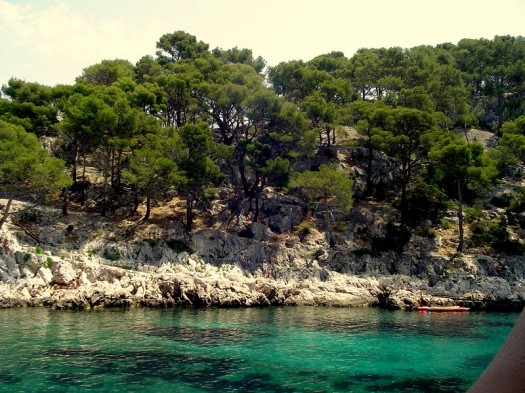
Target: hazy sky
{"x":51,"y":41}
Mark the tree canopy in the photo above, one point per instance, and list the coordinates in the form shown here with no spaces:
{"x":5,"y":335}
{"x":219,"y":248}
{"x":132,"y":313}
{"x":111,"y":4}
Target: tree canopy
{"x":191,"y":119}
{"x":461,"y":166}
{"x":25,"y":163}
{"x":328,"y":189}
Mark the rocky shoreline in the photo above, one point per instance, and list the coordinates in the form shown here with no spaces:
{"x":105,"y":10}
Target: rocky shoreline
{"x":93,"y":263}
{"x":79,"y":281}
{"x":86,"y":261}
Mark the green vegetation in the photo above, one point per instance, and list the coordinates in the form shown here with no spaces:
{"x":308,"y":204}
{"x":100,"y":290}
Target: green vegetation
{"x":496,"y":235}
{"x":111,"y":254}
{"x":192,"y":120}
{"x":462,"y":166}
{"x":24,"y":163}
{"x":48,"y":263}
{"x":328,"y":189}
{"x":178,"y":246}
{"x":304,"y":228}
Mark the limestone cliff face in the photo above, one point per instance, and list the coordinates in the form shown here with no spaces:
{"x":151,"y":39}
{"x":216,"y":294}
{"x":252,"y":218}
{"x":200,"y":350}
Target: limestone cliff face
{"x":233,"y":271}
{"x":83,"y":261}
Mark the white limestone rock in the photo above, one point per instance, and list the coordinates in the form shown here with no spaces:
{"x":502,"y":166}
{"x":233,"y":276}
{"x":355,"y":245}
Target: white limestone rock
{"x":63,"y":273}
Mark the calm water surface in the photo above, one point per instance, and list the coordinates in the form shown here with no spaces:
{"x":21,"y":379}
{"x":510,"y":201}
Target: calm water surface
{"x":246,"y":350}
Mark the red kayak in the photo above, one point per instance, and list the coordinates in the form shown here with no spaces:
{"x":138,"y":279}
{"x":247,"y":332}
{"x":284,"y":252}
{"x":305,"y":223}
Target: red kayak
{"x":442,"y":308}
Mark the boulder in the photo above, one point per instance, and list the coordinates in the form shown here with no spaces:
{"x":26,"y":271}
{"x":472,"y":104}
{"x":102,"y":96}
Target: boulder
{"x":11,"y":263}
{"x":63,"y":273}
{"x":46,"y":275}
{"x":402,"y":299}
{"x":261,"y":232}
{"x":281,"y":213}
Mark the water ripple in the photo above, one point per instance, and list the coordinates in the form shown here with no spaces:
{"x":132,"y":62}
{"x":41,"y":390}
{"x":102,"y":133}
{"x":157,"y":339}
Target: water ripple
{"x":257,"y":350}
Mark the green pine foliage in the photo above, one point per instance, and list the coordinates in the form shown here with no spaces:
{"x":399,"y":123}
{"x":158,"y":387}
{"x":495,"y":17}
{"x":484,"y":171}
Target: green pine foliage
{"x":24,"y":163}
{"x":328,"y":189}
{"x":191,"y":120}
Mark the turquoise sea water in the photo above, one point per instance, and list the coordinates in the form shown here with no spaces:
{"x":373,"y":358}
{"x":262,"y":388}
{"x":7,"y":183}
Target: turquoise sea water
{"x":246,"y":350}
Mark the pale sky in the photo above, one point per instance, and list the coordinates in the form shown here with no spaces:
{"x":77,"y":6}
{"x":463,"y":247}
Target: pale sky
{"x":52,"y":41}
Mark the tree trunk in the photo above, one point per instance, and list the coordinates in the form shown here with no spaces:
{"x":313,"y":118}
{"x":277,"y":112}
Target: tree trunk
{"x":178,"y":118}
{"x":65,"y":201}
{"x":328,"y":222}
{"x":501,"y":111}
{"x":403,"y":204}
{"x":242,"y":173}
{"x":112,"y":163}
{"x":135,"y":198}
{"x":75,"y":160}
{"x":84,"y":183}
{"x":148,"y":206}
{"x":460,"y":219}
{"x":189,"y":213}
{"x":466,"y":133}
{"x":256,"y":213}
{"x":406,"y":174}
{"x":106,"y":174}
{"x":369,"y":163}
{"x":255,"y":192}
{"x":6,"y":212}
{"x":118,"y":175}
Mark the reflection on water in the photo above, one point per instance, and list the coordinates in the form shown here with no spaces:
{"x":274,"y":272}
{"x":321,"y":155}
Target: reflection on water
{"x":248,"y":350}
